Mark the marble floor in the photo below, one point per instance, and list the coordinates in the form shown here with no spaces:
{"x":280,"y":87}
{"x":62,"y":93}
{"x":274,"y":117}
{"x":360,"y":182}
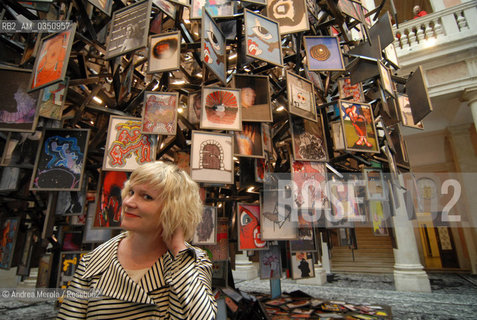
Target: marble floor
{"x":453,"y":296}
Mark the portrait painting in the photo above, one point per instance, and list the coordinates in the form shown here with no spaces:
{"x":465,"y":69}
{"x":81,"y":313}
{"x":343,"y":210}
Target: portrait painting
{"x":308,"y":139}
{"x":167,"y":7}
{"x":221,"y":109}
{"x":216,"y":8}
{"x":213,"y":47}
{"x":103,"y":5}
{"x":9,"y":233}
{"x":195,"y":107}
{"x":386,"y":81}
{"x":126,"y":147}
{"x":254,"y":97}
{"x":60,"y":160}
{"x":109,"y":200}
{"x":206,"y":232}
{"x":323,"y":53}
{"x":249,"y":235}
{"x":67,"y":265}
{"x":212,"y":157}
{"x":270,"y":263}
{"x":220,"y":250}
{"x":309,"y":189}
{"x":301,"y":99}
{"x":52,"y":100}
{"x":275,"y":226}
{"x":52,"y":59}
{"x":19,"y":109}
{"x":346,"y":90}
{"x":375,"y":189}
{"x":159,"y":114}
{"x":291,"y":15}
{"x":302,"y":265}
{"x":262,"y":38}
{"x":164,"y":52}
{"x":407,"y":118}
{"x":358,"y":127}
{"x":129,"y":29}
{"x":248,"y":142}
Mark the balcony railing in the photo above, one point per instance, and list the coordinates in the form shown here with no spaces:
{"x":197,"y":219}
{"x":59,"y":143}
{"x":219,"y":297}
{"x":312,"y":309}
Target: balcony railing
{"x":448,"y":25}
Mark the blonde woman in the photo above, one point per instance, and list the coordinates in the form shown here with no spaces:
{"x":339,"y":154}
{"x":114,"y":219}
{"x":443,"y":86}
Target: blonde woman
{"x":150,"y":271}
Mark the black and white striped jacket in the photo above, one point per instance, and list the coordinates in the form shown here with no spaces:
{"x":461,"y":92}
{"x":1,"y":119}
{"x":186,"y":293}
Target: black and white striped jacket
{"x":173,"y":288}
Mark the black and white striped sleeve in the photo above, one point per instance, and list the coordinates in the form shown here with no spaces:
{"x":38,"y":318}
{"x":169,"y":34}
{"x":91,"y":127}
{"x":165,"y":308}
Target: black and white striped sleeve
{"x":189,"y":275}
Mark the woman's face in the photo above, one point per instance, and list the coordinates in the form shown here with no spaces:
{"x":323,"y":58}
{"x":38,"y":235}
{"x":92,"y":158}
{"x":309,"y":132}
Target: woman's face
{"x":141,"y":209}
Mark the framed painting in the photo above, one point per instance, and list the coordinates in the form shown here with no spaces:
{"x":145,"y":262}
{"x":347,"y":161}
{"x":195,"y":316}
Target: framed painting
{"x":60,"y":160}
{"x":104,"y":5}
{"x":92,"y":234}
{"x":52,"y":100}
{"x":348,"y":8}
{"x":386,"y":81}
{"x":20,"y":150}
{"x":309,"y":187}
{"x":213,"y":47}
{"x":346,"y":89}
{"x":308,"y":139}
{"x":221,"y":109}
{"x":44,"y":271}
{"x":249,"y":235}
{"x":260,"y":45}
{"x":71,"y":203}
{"x":195,"y":107}
{"x":406,"y":113}
{"x":52,"y":59}
{"x":261,"y":166}
{"x":323,"y":53}
{"x":291,"y":16}
{"x":70,"y":240}
{"x":270,"y":263}
{"x":418,"y":94}
{"x":375,"y":189}
{"x":273,"y":225}
{"x":164,"y":52}
{"x":212,"y":157}
{"x":159,"y":114}
{"x":129,"y":29}
{"x":109,"y":200}
{"x":391,"y":55}
{"x":220,"y":274}
{"x":267,"y":137}
{"x":206,"y":232}
{"x":67,"y":266}
{"x":254,"y":97}
{"x":248,"y":142}
{"x":167,"y":7}
{"x":301,"y":99}
{"x":358,"y":127}
{"x":219,"y":251}
{"x":217,"y":9}
{"x":126,"y":148}
{"x":10,"y":230}
{"x":378,"y":218}
{"x":19,"y":109}
{"x":302,"y":266}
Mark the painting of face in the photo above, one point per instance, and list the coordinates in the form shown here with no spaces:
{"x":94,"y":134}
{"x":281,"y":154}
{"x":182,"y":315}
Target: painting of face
{"x":250,"y":237}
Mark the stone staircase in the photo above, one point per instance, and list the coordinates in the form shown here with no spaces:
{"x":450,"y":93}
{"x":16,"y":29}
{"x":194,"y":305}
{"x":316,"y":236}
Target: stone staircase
{"x":373,"y":255}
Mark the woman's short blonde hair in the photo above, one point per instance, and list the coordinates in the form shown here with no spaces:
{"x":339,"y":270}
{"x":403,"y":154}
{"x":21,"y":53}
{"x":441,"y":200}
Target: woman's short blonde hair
{"x":179,"y":196}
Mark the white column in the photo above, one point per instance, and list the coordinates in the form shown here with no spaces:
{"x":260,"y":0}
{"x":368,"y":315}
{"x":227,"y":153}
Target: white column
{"x":409,"y":274}
{"x":244,"y":268}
